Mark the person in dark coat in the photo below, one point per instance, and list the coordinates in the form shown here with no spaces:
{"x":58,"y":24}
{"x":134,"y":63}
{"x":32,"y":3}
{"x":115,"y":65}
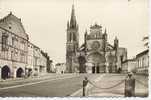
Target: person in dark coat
{"x":130,"y":85}
{"x":85,"y":82}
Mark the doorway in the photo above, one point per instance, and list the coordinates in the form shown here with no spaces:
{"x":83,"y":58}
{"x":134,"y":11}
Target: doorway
{"x":19,"y":72}
{"x":5,"y":73}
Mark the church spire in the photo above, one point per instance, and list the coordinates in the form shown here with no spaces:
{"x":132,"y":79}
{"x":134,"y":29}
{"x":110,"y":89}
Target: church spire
{"x":73,"y":22}
{"x":105,"y":34}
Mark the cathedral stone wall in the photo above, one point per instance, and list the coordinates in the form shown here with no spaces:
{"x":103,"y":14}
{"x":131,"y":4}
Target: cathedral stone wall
{"x":98,"y":54}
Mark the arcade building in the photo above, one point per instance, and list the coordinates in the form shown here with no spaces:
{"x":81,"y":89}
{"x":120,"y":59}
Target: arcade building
{"x":96,"y":54}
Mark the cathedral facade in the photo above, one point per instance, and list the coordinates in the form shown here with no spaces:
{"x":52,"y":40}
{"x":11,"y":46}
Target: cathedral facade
{"x":96,"y":54}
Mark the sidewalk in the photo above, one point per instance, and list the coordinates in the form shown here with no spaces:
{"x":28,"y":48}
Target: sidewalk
{"x":79,"y":92}
{"x":105,"y":86}
{"x":112,"y":85}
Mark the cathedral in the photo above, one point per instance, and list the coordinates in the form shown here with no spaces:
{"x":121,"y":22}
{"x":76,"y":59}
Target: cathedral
{"x":96,"y":54}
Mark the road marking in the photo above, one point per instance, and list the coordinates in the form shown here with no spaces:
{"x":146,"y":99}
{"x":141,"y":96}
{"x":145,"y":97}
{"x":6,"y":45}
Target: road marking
{"x":80,"y":90}
{"x":27,"y":84}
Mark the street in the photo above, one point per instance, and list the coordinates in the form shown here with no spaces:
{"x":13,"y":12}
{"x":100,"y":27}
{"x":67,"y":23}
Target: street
{"x":53,"y":85}
{"x":63,"y":86}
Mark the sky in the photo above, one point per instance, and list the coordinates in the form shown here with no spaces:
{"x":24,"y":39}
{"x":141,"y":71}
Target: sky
{"x":45,"y":21}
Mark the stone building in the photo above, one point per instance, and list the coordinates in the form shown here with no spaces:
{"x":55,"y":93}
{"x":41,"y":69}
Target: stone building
{"x":13,"y":47}
{"x":48,"y":62}
{"x":60,"y":68}
{"x":18,"y":56}
{"x":36,"y":60}
{"x":39,"y":61}
{"x":42,"y":63}
{"x":129,"y":65}
{"x":142,"y":60}
{"x":30,"y":63}
{"x":96,"y":54}
{"x":100,"y":55}
{"x":72,"y":43}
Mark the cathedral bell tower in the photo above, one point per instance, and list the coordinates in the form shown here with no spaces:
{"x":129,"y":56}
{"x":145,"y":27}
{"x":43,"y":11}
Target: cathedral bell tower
{"x":72,"y":43}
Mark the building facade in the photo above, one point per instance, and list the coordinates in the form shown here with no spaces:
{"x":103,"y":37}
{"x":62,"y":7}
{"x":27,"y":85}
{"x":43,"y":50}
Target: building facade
{"x":100,"y":55}
{"x":42,"y":63}
{"x":37,"y":61}
{"x":13,"y":47}
{"x":142,"y":60}
{"x":129,"y":65}
{"x":30,"y":63}
{"x":18,"y":56}
{"x":60,"y":68}
{"x":96,"y":54}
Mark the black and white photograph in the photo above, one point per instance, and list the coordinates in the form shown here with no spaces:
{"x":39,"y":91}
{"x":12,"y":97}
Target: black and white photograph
{"x":74,"y":48}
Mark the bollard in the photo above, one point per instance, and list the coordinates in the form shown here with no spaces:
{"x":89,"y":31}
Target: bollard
{"x":130,"y":85}
{"x":85,"y":82}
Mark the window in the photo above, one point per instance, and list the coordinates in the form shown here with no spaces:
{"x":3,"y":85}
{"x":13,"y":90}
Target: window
{"x":143,"y":62}
{"x":74,"y":37}
{"x":4,"y":42}
{"x":22,"y":57}
{"x":22,"y":44}
{"x":138,"y":62}
{"x":70,"y":36}
{"x":14,"y":41}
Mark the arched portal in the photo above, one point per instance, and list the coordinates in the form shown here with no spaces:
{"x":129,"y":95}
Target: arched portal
{"x":93,"y":69}
{"x":97,"y":69}
{"x":82,"y":61}
{"x":111,"y":59}
{"x":98,"y":62}
{"x":5,"y":72}
{"x":19,"y":72}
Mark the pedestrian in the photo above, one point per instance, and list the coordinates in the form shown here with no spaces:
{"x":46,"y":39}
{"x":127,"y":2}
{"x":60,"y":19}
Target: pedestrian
{"x":129,"y":85}
{"x":85,"y":82}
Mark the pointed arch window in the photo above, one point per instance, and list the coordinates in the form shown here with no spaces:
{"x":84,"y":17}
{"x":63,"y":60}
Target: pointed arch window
{"x":74,"y":37}
{"x":70,"y":36}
